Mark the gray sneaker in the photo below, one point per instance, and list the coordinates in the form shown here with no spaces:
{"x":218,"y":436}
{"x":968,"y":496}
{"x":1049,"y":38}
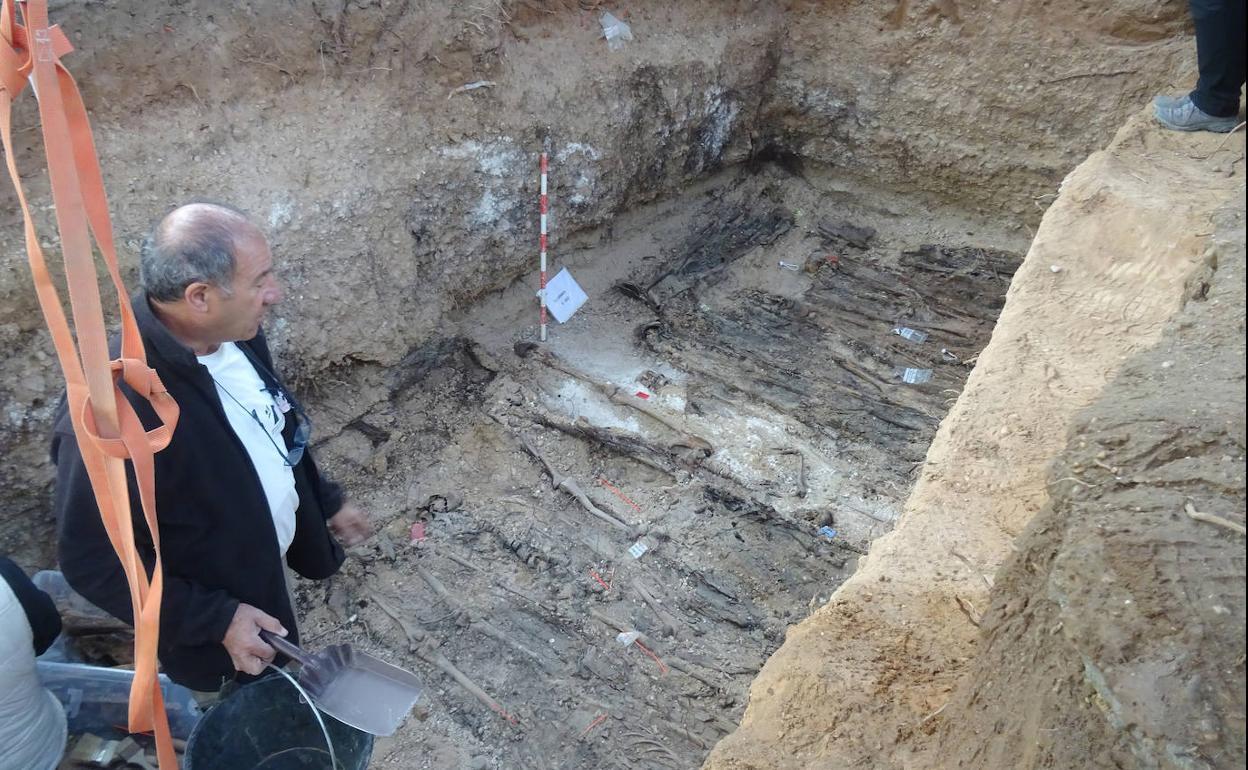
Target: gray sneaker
{"x":1181,"y":114}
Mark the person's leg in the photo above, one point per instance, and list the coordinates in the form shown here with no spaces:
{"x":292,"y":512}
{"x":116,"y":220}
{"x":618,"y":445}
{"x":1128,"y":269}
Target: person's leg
{"x":1220,"y":55}
{"x":1214,"y":105}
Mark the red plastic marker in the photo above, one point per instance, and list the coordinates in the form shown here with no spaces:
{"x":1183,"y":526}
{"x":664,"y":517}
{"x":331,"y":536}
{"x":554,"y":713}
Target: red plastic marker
{"x":605,"y":585}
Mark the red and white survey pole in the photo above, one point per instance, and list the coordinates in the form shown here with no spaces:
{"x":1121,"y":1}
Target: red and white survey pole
{"x":542,"y":243}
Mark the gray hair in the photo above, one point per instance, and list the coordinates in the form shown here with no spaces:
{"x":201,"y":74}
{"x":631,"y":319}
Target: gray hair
{"x":193,"y":243}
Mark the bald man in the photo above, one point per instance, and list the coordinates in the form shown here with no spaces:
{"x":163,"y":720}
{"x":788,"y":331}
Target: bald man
{"x":237,"y":490}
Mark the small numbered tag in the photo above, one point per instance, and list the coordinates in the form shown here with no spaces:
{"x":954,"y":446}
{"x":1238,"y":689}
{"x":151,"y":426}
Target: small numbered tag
{"x":916,"y":376}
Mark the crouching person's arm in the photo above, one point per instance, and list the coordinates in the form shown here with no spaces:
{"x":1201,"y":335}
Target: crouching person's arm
{"x":32,"y":723}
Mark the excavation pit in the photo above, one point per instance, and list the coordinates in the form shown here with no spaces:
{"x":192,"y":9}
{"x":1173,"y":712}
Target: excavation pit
{"x":796,"y":224}
{"x":750,"y":425}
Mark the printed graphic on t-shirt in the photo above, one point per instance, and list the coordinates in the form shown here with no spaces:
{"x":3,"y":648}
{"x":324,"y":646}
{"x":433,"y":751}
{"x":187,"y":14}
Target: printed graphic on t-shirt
{"x":272,"y":418}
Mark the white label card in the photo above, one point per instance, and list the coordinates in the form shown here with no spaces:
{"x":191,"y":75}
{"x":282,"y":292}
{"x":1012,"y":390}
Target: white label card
{"x":564,"y":296}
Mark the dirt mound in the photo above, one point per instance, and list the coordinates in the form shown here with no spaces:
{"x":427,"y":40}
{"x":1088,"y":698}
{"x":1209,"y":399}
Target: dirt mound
{"x":1121,"y":616}
{"x":869,"y":677}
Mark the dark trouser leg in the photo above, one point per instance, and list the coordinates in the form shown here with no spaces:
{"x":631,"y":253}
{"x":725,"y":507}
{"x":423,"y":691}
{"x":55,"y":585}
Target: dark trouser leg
{"x":1219,"y":54}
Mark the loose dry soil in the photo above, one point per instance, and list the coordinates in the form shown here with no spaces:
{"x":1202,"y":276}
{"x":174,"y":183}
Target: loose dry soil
{"x":757,"y":198}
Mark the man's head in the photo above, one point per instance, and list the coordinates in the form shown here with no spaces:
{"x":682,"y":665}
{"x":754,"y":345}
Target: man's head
{"x":209,"y":272}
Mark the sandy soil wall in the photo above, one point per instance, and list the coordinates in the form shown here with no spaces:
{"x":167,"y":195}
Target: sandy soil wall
{"x":1121,"y":616}
{"x":902,"y":651}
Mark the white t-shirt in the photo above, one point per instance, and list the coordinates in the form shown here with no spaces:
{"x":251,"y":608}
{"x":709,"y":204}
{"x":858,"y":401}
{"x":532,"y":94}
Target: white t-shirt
{"x":243,"y":395}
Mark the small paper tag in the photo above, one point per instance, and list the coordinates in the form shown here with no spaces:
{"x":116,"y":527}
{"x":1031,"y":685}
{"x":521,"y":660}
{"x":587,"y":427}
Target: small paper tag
{"x":916,"y":376}
{"x":906,"y":333}
{"x":628,"y":637}
{"x":638,"y":549}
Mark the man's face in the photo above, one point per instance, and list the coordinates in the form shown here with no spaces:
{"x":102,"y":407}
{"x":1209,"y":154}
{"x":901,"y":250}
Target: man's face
{"x":241,"y":311}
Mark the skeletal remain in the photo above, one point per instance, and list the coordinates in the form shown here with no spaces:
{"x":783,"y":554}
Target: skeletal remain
{"x":425,"y":646}
{"x":968,"y":610}
{"x":472,"y":87}
{"x":616,"y":395}
{"x":569,"y":485}
{"x":460,"y":560}
{"x":479,"y":625}
{"x":987,"y":580}
{"x":415,"y":636}
{"x":670,"y":624}
{"x":681,"y":732}
{"x":669,"y":659}
{"x":637,"y":447}
{"x":802,"y":489}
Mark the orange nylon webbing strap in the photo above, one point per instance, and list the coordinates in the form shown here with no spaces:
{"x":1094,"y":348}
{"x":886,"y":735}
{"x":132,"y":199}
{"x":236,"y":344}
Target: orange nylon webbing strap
{"x":108,"y":428}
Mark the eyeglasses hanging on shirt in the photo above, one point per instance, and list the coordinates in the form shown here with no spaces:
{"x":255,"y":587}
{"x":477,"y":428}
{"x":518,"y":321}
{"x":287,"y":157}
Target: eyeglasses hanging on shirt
{"x":303,"y":425}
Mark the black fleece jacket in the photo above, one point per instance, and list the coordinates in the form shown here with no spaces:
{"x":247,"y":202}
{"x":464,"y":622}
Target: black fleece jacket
{"x":218,"y":543}
{"x":45,"y":621}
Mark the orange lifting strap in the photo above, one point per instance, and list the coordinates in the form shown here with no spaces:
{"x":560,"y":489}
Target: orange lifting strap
{"x":108,"y":429}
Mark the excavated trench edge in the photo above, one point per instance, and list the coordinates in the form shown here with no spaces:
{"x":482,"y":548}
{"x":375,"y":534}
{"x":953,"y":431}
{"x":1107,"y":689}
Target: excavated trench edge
{"x":860,"y":681}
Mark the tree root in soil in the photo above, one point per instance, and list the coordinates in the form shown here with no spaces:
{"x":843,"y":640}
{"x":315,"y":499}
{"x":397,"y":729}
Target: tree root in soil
{"x":1212,"y":518}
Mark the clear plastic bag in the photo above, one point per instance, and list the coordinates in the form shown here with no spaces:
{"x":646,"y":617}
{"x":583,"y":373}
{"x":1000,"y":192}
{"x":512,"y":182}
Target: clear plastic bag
{"x":96,"y":700}
{"x":615,"y":31}
{"x":913,"y":376}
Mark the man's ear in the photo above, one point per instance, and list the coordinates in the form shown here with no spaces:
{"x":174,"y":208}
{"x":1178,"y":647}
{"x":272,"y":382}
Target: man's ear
{"x":196,"y":296}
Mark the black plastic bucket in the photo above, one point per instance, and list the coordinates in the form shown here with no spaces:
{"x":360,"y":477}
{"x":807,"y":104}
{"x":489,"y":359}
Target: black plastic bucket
{"x":266,"y":725}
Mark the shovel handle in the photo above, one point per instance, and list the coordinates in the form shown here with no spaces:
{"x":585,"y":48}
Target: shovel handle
{"x":289,"y":649}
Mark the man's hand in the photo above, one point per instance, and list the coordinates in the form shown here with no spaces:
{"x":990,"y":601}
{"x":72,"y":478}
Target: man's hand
{"x":242,"y":639}
{"x":350,"y":525}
